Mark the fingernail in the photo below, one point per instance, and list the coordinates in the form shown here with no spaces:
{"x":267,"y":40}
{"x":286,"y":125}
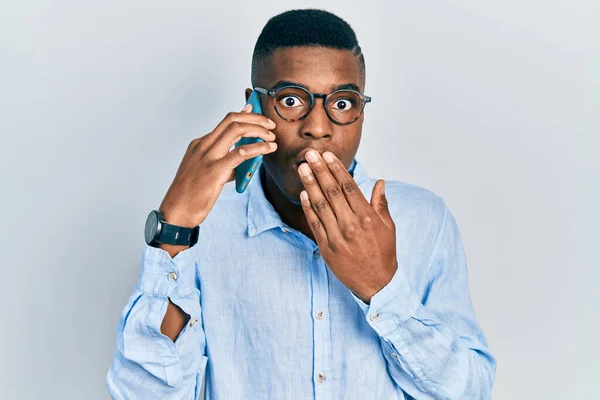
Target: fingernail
{"x":247,"y":107}
{"x":328,"y":157}
{"x":312,"y":156}
{"x":304,"y":195}
{"x":271,"y":121}
{"x":304,"y":169}
{"x":272,"y":134}
{"x":273,"y":145}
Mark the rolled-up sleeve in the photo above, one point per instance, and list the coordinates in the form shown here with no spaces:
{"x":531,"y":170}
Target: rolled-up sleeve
{"x":148,"y":364}
{"x":432,"y":342}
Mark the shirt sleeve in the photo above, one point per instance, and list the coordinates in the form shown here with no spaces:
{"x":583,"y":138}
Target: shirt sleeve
{"x":432,"y":342}
{"x":148,"y":364}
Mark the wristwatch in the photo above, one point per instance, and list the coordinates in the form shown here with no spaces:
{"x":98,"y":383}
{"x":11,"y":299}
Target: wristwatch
{"x":158,"y":231}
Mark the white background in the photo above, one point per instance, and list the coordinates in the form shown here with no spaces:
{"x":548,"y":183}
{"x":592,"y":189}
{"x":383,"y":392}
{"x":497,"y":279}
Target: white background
{"x":492,"y":105}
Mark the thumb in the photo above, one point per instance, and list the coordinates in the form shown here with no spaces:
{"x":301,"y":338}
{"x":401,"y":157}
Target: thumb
{"x":380,"y":204}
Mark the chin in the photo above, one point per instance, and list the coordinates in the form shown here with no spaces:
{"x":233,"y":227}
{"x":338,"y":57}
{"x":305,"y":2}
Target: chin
{"x":288,"y":183}
{"x":291,"y":193}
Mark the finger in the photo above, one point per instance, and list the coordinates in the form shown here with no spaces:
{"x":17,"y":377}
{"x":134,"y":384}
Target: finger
{"x":244,"y":116}
{"x":318,"y":201}
{"x":357,"y":201}
{"x":314,"y":222}
{"x":242,"y":153}
{"x":330,"y":187}
{"x":238,"y":130}
{"x":380,"y":204}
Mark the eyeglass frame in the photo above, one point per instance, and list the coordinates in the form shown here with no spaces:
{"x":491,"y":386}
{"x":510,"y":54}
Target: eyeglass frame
{"x":273,"y":93}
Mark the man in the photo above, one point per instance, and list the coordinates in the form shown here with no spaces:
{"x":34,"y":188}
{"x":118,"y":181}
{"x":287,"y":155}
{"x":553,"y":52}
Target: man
{"x":300,"y":287}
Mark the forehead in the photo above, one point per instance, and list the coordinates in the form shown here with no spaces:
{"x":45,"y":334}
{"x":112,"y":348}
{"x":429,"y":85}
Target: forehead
{"x":318,"y":68}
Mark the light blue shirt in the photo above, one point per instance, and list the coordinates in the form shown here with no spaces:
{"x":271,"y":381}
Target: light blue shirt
{"x":269,"y":320}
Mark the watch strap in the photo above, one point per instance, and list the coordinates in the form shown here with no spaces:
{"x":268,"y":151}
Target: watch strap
{"x":178,"y":235}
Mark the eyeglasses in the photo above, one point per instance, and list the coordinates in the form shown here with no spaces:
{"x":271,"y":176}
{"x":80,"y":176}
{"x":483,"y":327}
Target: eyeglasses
{"x":294,"y":103}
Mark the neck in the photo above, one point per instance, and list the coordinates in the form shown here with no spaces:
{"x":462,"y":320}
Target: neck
{"x":289,"y":212}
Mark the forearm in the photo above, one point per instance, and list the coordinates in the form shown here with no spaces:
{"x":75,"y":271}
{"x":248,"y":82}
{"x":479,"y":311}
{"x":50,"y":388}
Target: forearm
{"x":175,"y":318}
{"x":429,"y":332}
{"x":174,"y":321}
{"x":429,"y":358}
{"x":159,"y":352}
{"x":426,"y":356}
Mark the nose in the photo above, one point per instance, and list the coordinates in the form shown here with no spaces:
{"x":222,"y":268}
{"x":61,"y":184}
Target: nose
{"x":317,"y":124}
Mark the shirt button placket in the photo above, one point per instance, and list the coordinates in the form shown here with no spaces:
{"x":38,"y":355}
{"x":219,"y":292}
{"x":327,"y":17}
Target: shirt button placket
{"x":322,"y":336}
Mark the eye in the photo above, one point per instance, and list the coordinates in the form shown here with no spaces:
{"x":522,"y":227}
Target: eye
{"x":343,"y":104}
{"x":290,"y":101}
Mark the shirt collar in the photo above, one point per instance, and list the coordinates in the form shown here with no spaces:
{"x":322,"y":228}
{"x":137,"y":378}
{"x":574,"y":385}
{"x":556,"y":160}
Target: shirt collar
{"x":262,"y":216}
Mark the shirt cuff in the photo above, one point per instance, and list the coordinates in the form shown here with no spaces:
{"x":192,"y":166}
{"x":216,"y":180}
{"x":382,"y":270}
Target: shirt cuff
{"x":162,"y":275}
{"x":391,"y":306}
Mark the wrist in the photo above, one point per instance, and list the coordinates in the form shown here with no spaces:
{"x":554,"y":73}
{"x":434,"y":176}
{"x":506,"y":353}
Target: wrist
{"x":172,"y":249}
{"x":180,"y":217}
{"x":160,"y":231}
{"x":367,"y":293}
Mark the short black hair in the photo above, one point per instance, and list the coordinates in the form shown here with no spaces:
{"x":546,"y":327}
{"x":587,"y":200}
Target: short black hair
{"x":306,"y":28}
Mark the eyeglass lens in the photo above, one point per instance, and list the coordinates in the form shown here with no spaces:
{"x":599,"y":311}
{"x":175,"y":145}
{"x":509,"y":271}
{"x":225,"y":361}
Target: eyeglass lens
{"x":294,"y":103}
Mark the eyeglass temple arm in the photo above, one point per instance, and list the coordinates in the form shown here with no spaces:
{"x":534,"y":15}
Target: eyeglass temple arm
{"x":262,"y":90}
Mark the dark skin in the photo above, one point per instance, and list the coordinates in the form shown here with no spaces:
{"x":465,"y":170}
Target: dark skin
{"x":321,"y":70}
{"x":356,"y":238}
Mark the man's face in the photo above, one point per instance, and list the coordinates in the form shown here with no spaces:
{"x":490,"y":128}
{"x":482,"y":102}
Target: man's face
{"x":320,"y":70}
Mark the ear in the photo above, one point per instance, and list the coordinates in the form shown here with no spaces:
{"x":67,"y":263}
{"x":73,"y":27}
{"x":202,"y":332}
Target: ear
{"x":248,"y":93}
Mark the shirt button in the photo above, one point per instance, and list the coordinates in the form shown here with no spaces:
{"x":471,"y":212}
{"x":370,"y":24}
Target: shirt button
{"x":172,"y":276}
{"x":284,"y":230}
{"x":192,"y":322}
{"x":394,"y":356}
{"x":374,"y":316}
{"x":320,"y":314}
{"x":321,"y":377}
{"x":317,"y":254}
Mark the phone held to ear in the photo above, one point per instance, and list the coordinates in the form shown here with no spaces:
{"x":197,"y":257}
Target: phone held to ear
{"x":245,"y":171}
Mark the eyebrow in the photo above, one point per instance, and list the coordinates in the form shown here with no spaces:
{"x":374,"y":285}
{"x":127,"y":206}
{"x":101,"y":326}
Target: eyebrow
{"x":350,"y":86}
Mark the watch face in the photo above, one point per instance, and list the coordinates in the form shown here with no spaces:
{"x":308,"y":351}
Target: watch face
{"x":151,"y":230}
